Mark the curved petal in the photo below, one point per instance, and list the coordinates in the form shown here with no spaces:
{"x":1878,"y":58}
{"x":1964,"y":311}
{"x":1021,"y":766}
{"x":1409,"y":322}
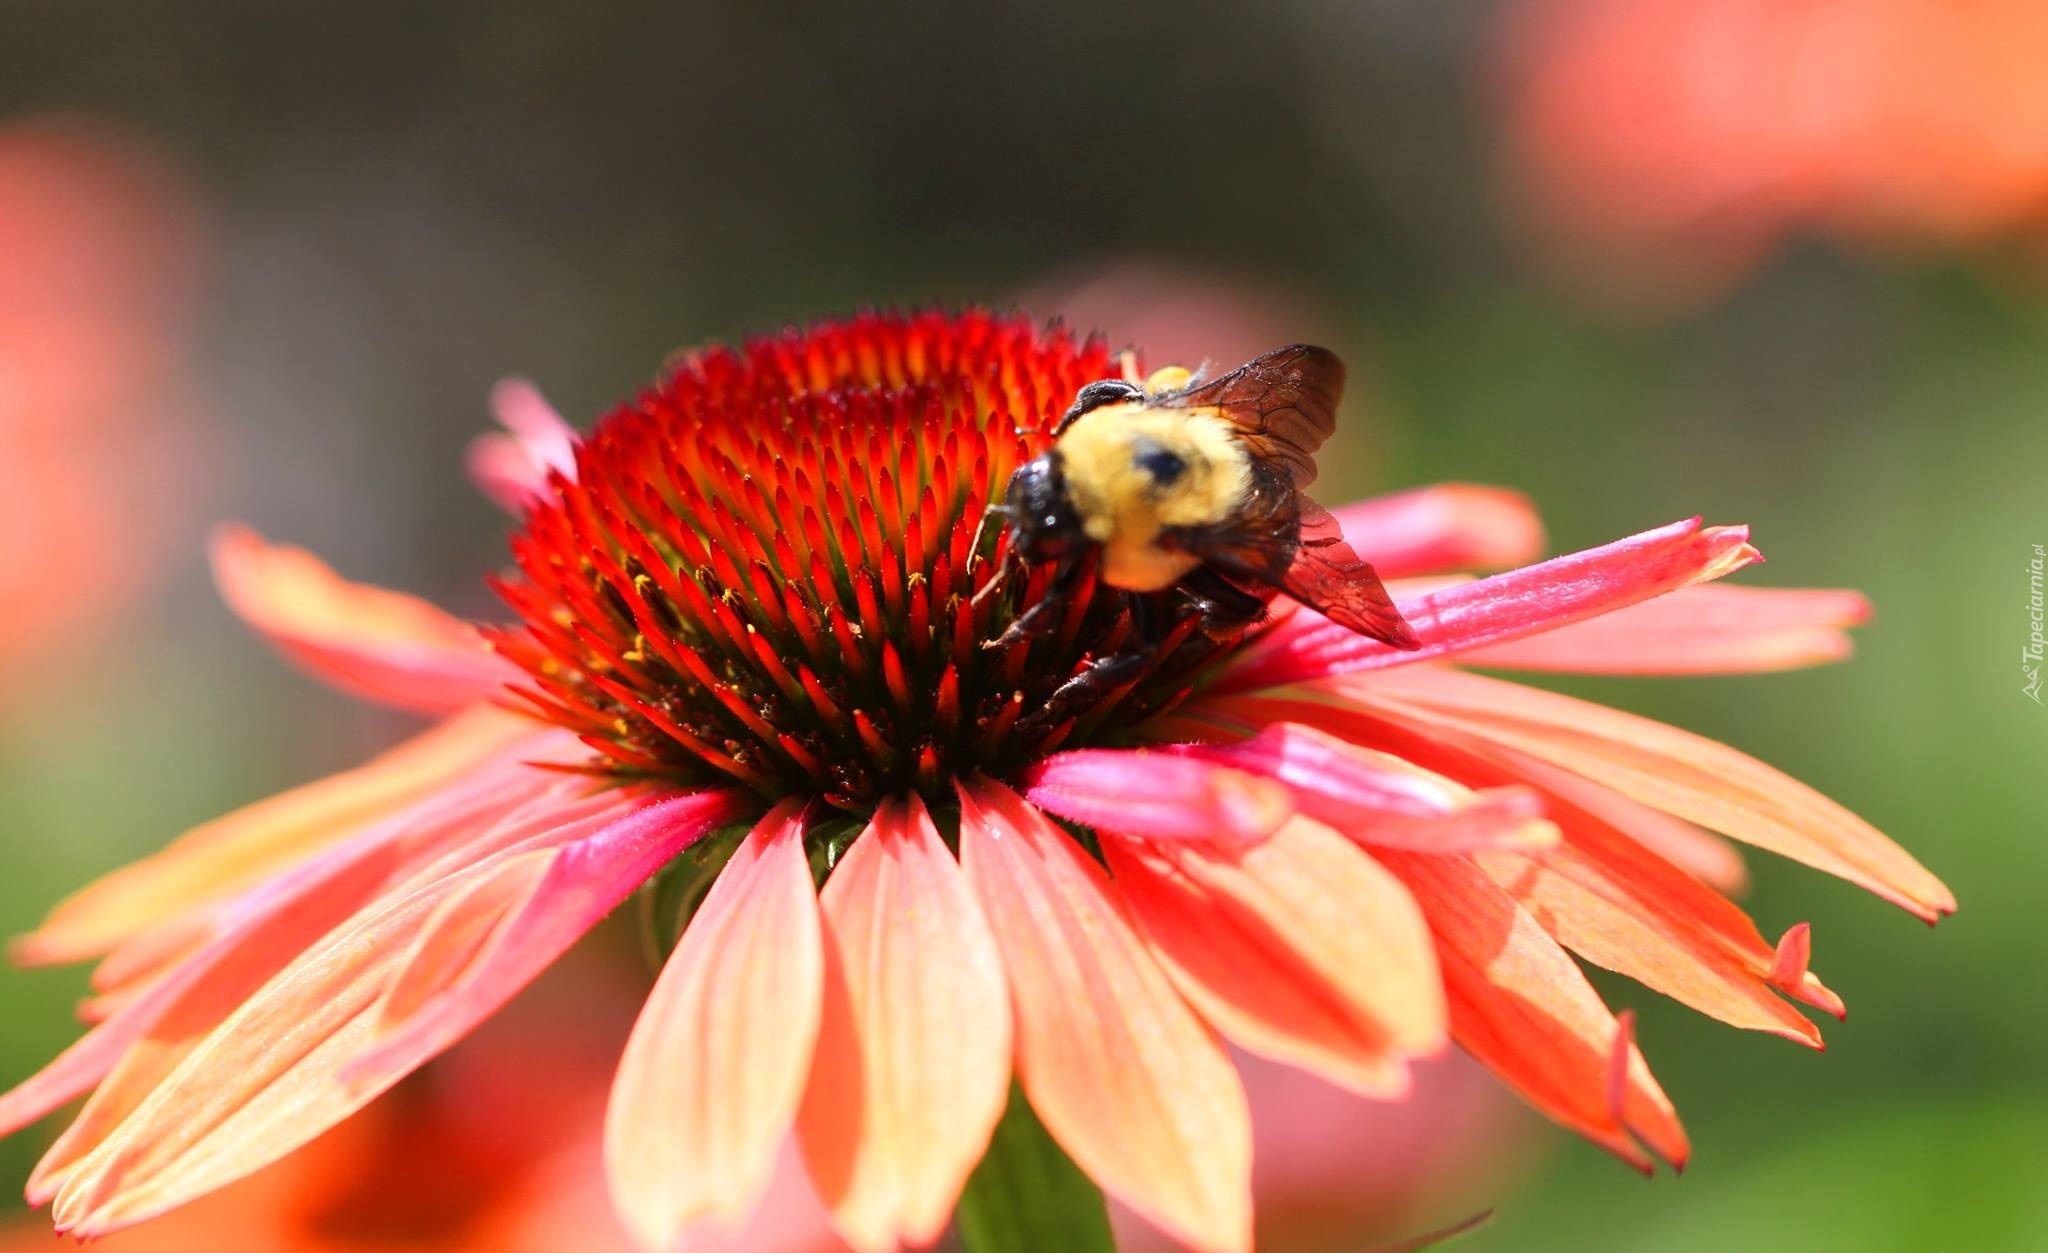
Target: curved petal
{"x":913,"y":1063}
{"x":246,"y":940}
{"x":1123,"y":1074}
{"x":278,"y":1071}
{"x":225,"y":856}
{"x":1378,"y":798}
{"x":1442,"y":528}
{"x":1301,"y":949}
{"x":1607,"y":908}
{"x":715,"y":1068}
{"x":1157,"y":795}
{"x":379,"y":645}
{"x":1676,"y":771}
{"x":491,"y":938}
{"x":512,"y":469}
{"x":1615,"y":902}
{"x":1520,"y":1005}
{"x":1700,"y":853}
{"x":207,"y":986}
{"x":1715,"y":629}
{"x":1468,"y":616}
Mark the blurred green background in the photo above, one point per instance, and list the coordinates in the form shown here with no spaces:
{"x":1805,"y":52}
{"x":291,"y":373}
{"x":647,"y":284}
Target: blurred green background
{"x":401,"y":203}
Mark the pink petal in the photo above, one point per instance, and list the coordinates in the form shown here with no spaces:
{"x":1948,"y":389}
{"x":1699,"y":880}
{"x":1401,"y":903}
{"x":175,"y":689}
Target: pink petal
{"x":208,"y":985}
{"x":714,"y":1072}
{"x":228,"y":855}
{"x":1300,"y":948}
{"x":1469,"y":616}
{"x":250,"y":937}
{"x":305,"y":1051}
{"x":1688,"y":775}
{"x":1519,"y":1005}
{"x":1695,"y":630}
{"x":1450,"y":526}
{"x":913,"y":1064}
{"x":1124,"y":1076}
{"x":489,"y":938}
{"x":1378,"y":798}
{"x":380,"y":645}
{"x":1157,"y":795}
{"x":512,"y":469}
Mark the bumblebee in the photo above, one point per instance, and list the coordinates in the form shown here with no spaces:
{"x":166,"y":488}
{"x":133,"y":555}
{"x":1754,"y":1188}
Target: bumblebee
{"x":1189,"y":495}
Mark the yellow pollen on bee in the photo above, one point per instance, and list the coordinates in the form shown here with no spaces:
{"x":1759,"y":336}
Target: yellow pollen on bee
{"x":1169,"y":378}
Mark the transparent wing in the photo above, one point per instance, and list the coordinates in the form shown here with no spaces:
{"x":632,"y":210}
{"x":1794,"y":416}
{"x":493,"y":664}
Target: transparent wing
{"x":1328,"y":577}
{"x":1284,"y":405}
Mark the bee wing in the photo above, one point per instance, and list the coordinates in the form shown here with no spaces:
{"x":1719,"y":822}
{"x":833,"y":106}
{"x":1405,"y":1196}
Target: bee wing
{"x":1328,"y":577}
{"x":1281,"y":539}
{"x":1255,"y":544}
{"x":1284,"y":404}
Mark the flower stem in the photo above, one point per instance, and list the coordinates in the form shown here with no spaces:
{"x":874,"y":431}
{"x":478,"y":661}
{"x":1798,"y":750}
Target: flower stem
{"x":1028,"y":1196}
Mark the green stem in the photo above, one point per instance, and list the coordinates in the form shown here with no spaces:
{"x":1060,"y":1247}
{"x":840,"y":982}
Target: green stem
{"x":1027,"y":1196}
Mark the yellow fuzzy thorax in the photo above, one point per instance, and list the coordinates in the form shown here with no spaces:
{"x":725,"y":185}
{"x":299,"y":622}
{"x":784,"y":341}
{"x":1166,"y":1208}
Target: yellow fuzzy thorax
{"x":1124,"y":509}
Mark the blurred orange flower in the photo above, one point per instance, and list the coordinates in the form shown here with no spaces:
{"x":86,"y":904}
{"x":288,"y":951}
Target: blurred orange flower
{"x":102,"y":242}
{"x":1667,"y":145}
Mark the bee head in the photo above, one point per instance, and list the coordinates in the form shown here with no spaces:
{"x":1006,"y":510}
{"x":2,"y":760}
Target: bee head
{"x":1043,"y":522}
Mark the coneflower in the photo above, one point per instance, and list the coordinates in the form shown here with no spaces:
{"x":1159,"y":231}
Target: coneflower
{"x":748,"y":673}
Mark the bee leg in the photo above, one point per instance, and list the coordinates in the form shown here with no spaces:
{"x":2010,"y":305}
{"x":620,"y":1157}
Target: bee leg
{"x":1151,"y":623}
{"x":1222,"y":608}
{"x":1040,"y":618}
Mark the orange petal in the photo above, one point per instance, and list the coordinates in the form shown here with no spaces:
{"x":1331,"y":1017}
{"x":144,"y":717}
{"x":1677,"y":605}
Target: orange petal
{"x":1620,"y":918}
{"x":380,"y":645}
{"x":258,"y":932}
{"x":1521,"y":1006}
{"x":1301,"y":949}
{"x":713,"y":1074}
{"x":1710,"y":629}
{"x":142,"y":1040}
{"x":259,"y":1085}
{"x":1790,"y":975}
{"x":217,"y":860}
{"x":1661,"y":766}
{"x":1606,"y":896}
{"x":1701,"y":854}
{"x":913,"y":1063}
{"x":286,"y":1064}
{"x":1124,"y":1076}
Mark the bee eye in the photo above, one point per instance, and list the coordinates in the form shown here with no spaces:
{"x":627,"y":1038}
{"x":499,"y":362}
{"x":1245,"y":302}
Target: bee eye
{"x":1163,"y":464}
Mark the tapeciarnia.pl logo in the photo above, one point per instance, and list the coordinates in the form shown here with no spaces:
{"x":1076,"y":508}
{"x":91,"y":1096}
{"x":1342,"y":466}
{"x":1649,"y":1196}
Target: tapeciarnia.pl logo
{"x":2030,"y":656}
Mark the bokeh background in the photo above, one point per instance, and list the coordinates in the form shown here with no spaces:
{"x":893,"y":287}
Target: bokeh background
{"x":1774,"y":261}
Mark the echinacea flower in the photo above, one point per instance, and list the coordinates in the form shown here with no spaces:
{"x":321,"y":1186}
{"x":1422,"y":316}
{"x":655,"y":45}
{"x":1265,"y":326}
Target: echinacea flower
{"x":748,"y":651}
